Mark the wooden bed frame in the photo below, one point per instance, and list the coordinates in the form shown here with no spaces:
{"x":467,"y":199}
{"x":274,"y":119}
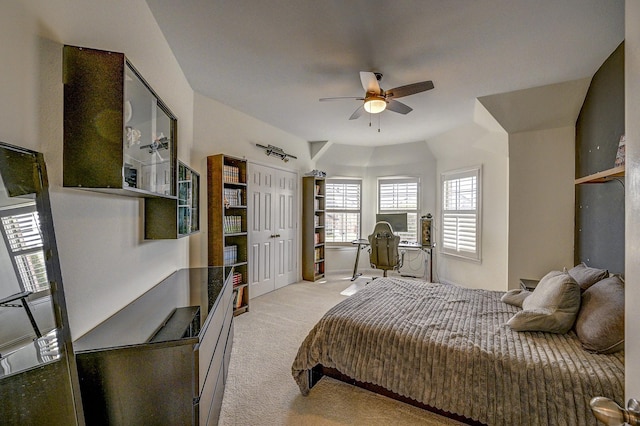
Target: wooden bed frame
{"x":319,"y":371}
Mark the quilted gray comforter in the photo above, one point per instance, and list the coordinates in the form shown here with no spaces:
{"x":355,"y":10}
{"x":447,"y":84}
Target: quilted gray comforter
{"x":450,"y":348}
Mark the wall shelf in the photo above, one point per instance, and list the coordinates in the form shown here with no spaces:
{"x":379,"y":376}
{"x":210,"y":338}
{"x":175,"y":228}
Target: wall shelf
{"x":603,"y":176}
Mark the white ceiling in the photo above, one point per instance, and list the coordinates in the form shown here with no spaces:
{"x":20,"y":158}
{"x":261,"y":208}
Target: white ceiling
{"x":274,"y":59}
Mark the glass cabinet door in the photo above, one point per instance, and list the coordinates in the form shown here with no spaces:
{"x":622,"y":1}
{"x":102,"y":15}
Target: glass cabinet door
{"x":188,"y":204}
{"x":148,"y":143}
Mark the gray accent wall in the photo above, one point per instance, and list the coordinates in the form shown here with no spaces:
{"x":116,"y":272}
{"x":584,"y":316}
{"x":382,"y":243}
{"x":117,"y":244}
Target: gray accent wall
{"x":599,"y":214}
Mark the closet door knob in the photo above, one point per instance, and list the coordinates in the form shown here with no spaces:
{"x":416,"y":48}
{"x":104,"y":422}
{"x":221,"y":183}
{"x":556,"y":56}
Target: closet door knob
{"x":610,"y":413}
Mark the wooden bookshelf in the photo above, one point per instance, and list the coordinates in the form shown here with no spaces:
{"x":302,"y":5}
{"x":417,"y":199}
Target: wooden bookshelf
{"x":227,"y":222}
{"x":313,"y":228}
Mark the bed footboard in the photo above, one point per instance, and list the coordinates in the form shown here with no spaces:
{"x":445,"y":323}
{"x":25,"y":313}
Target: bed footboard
{"x":319,"y":371}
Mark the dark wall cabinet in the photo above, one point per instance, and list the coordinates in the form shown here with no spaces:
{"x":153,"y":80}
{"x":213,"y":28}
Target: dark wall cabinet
{"x":170,"y":218}
{"x":162,"y":359}
{"x":119,"y":136}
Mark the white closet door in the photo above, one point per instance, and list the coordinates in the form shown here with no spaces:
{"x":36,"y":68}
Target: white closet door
{"x":261,"y":242}
{"x":286,"y":224}
{"x":272,"y":209}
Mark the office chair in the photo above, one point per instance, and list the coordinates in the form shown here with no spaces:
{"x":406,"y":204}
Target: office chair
{"x":383,"y":249}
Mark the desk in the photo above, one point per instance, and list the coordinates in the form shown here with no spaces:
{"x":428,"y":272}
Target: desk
{"x":362,"y":243}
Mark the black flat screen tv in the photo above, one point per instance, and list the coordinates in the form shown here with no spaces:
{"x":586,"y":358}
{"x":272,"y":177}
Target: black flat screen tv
{"x":398,"y":221}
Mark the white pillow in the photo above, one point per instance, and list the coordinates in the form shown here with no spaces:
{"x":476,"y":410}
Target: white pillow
{"x":551,"y":307}
{"x":515,"y":297}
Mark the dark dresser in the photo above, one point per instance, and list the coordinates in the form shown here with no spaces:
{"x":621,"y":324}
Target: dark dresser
{"x":162,"y":359}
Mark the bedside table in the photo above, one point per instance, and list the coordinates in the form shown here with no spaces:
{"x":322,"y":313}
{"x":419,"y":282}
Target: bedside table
{"x":529,"y":285}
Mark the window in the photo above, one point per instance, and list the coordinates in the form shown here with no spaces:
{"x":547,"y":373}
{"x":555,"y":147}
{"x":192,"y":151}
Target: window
{"x":461,"y":213}
{"x":342,"y":206}
{"x":400,"y":195}
{"x":21,"y":232}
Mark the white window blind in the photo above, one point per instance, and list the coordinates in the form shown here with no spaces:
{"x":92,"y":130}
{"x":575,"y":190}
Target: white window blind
{"x":343,"y":201}
{"x":400,"y":195}
{"x":461,"y":213}
{"x":24,"y":241}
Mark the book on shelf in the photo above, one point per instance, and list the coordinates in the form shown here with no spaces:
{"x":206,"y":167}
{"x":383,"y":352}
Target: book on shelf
{"x":231,"y":174}
{"x":316,"y":238}
{"x":232,"y":224}
{"x":237,"y":279}
{"x":232,"y":197}
{"x":239,"y":296}
{"x":230,"y":255}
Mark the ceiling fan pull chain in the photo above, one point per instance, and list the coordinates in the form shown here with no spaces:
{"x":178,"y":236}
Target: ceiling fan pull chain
{"x":378,"y":123}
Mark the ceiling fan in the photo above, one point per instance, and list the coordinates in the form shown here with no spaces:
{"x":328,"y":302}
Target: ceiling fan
{"x":377,"y":100}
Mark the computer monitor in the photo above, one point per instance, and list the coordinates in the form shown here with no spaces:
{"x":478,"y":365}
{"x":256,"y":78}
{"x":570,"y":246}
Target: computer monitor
{"x":398,"y":221}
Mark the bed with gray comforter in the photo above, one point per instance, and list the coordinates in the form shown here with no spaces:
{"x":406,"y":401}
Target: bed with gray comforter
{"x":450,"y":348}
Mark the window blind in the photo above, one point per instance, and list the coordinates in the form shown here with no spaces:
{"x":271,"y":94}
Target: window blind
{"x":24,"y":240}
{"x":400,"y":195}
{"x":343,"y":199}
{"x":460,"y":213}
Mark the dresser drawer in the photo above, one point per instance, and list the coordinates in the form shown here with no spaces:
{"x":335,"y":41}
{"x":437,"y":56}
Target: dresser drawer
{"x":213,"y":377}
{"x":209,"y":340}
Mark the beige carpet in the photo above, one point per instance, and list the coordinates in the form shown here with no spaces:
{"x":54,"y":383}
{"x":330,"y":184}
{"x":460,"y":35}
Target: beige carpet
{"x":260,"y":389}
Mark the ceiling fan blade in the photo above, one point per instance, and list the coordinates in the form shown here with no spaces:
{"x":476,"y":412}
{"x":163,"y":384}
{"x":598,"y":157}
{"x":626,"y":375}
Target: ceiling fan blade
{"x":409,"y":89}
{"x":357,"y":113}
{"x":395,"y":106}
{"x":369,"y":82}
{"x":339,"y":98}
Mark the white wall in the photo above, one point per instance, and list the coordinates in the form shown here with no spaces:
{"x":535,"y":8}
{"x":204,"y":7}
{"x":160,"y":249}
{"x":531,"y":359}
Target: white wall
{"x":470,"y":146}
{"x":527,"y":197}
{"x":370,"y":163}
{"x":219,"y":129}
{"x":541,"y":202}
{"x":105,"y":264}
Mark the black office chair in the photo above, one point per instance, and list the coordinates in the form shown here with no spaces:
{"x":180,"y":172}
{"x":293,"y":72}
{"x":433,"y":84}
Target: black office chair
{"x":383,"y":249}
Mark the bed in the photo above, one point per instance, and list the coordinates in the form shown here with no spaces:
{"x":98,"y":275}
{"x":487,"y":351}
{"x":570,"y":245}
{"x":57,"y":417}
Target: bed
{"x":449,"y":349}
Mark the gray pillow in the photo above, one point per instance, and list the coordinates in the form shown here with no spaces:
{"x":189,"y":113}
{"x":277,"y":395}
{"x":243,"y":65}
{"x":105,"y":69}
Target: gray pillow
{"x":551,"y":307}
{"x":586,"y":276}
{"x":515,"y":297}
{"x":600,"y":322}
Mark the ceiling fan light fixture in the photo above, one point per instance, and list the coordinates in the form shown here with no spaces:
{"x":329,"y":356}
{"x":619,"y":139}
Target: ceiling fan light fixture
{"x":375,"y":104}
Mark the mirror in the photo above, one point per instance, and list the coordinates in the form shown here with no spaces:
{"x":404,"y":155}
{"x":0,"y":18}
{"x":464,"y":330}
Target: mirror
{"x":37,"y":378}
